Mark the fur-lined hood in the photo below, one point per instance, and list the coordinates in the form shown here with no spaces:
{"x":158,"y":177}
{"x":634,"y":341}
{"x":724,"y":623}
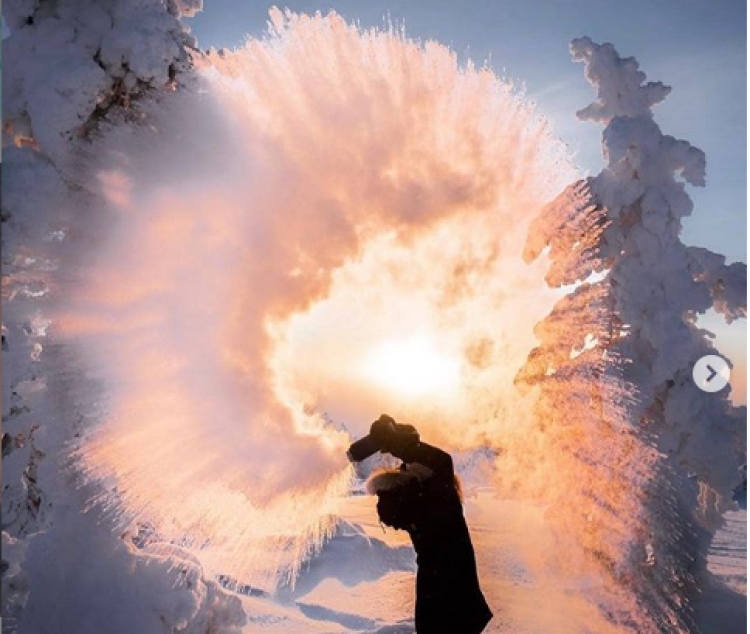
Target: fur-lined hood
{"x":387,"y":479}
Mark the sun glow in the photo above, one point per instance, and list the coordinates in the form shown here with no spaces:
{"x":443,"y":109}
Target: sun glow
{"x":412,"y":367}
{"x":334,"y":274}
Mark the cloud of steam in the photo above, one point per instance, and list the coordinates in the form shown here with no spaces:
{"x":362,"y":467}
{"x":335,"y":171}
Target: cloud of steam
{"x":306,"y":199}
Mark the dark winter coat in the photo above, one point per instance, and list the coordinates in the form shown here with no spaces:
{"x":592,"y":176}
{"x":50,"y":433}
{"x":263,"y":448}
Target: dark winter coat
{"x":422,"y":498}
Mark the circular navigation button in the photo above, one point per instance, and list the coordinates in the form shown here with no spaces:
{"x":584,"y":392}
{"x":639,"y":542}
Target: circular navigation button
{"x":711,"y":373}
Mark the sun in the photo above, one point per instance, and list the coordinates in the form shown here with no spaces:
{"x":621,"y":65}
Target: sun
{"x":412,"y":367}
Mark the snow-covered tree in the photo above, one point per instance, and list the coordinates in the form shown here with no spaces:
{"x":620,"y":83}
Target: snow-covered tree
{"x":660,"y":285}
{"x":80,"y":58}
{"x":637,"y":293}
{"x":69,"y":64}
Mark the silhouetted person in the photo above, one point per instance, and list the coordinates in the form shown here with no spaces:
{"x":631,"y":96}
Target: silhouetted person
{"x":422,"y":498}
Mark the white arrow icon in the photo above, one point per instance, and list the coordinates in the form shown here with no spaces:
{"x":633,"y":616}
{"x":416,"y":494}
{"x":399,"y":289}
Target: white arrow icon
{"x":711,"y":373}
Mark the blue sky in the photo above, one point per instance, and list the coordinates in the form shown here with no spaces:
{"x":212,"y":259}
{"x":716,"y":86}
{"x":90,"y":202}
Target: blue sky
{"x":698,"y":47}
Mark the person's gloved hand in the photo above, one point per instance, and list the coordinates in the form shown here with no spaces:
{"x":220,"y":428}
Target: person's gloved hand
{"x":383,"y":432}
{"x":393,"y":438}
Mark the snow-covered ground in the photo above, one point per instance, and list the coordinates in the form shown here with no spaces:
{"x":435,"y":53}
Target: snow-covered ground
{"x":363,"y":581}
{"x":722,"y":608}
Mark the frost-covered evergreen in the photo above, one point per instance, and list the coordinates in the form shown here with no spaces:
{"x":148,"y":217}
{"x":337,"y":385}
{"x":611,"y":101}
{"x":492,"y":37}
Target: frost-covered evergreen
{"x":637,"y":293}
{"x":69,"y":63}
{"x":659,"y":285}
{"x":82,"y":56}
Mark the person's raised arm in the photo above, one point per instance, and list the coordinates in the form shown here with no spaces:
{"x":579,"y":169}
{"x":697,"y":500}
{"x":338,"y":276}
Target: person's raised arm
{"x":403,"y":442}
